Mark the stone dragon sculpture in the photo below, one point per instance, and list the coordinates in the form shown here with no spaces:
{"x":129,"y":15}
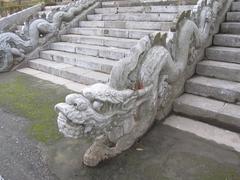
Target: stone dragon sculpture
{"x":141,"y":86}
{"x":13,"y":47}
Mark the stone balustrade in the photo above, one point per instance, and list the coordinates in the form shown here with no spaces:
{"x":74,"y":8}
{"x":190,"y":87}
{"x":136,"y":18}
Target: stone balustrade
{"x":19,"y":17}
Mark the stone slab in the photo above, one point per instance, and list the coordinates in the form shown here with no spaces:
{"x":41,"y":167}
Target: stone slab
{"x":235,"y":6}
{"x":69,"y":72}
{"x":162,"y":26}
{"x":208,"y":110}
{"x":88,"y":62}
{"x":230,"y":28}
{"x":140,"y":2}
{"x":91,"y":50}
{"x":163,"y":17}
{"x":221,"y":70}
{"x":226,"y":54}
{"x":112,"y":32}
{"x":144,"y":9}
{"x":196,"y":106}
{"x":233,"y":16}
{"x":99,"y":40}
{"x":227,"y":40}
{"x":205,"y":131}
{"x":214,"y":88}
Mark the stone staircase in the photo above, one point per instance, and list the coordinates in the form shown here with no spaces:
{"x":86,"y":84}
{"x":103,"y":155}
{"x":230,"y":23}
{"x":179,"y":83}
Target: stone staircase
{"x":212,"y":96}
{"x":86,"y":54}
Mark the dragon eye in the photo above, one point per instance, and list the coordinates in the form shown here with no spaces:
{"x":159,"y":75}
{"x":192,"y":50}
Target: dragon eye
{"x":75,"y":104}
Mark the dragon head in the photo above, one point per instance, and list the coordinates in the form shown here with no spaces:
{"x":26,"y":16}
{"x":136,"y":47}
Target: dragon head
{"x":95,"y":110}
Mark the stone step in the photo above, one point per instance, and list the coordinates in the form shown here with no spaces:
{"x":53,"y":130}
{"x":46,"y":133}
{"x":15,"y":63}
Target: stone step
{"x":223,"y":90}
{"x":140,"y":2}
{"x":69,"y":72}
{"x":100,"y":41}
{"x":205,"y":131}
{"x":233,"y":16}
{"x":221,"y":70}
{"x":164,"y":17}
{"x":88,"y":62}
{"x":235,"y":6}
{"x":226,"y":54}
{"x":213,"y":112}
{"x":230,"y":27}
{"x":109,"y":32}
{"x":91,"y":50}
{"x":144,"y":9}
{"x":161,"y":26}
{"x":77,"y":87}
{"x":229,"y":40}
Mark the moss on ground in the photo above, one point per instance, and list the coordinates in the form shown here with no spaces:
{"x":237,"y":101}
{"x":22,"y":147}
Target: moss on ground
{"x":33,"y":99}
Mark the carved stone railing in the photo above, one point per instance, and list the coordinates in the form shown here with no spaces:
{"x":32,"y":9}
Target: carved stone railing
{"x":20,"y":17}
{"x":15,"y":48}
{"x":142,"y":87}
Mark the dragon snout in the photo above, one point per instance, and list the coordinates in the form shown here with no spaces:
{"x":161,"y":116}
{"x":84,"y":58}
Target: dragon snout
{"x":62,"y":108}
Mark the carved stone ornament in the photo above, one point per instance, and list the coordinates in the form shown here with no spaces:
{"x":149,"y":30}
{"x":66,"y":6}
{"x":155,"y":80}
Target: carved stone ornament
{"x":143,"y":84}
{"x":14,"y":48}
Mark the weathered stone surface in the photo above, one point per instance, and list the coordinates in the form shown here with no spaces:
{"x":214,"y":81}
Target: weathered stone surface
{"x":229,"y":40}
{"x":19,"y":17}
{"x":112,"y":32}
{"x":99,"y":40}
{"x":144,"y":9}
{"x":235,"y":6}
{"x":162,"y":26}
{"x":92,"y":50}
{"x":221,"y":70}
{"x":205,"y":131}
{"x":166,"y":17}
{"x":139,"y":2}
{"x":230,"y":27}
{"x":69,"y":72}
{"x":211,"y":111}
{"x":199,"y":107}
{"x":233,"y":16}
{"x":14,"y":48}
{"x":214,"y":88}
{"x":88,"y":62}
{"x":226,"y":54}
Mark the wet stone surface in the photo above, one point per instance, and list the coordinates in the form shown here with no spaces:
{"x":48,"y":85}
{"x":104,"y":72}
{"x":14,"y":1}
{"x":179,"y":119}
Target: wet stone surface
{"x":163,"y":154}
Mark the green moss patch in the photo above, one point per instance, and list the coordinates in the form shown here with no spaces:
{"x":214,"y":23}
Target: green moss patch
{"x":33,"y":99}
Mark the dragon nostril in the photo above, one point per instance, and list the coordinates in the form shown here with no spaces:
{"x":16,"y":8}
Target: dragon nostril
{"x":75,"y":104}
